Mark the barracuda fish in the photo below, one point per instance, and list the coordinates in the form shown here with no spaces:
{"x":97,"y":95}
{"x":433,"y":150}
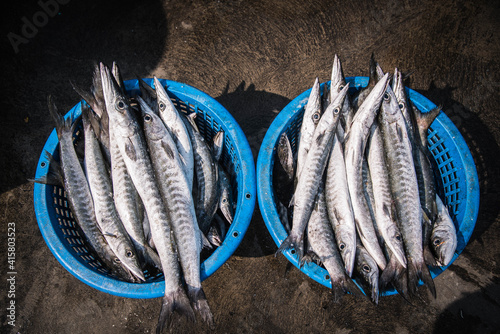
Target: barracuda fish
{"x":129,"y":206}
{"x":78,"y":193}
{"x":321,"y":239}
{"x":218,"y":145}
{"x":312,"y":115}
{"x":366,"y":269}
{"x":354,"y":155}
{"x":207,"y":176}
{"x":444,"y":235}
{"x":177,"y":197}
{"x":104,"y":205}
{"x":309,"y":180}
{"x":384,"y":210}
{"x":172,"y":119}
{"x":394,"y":272}
{"x":404,"y":186}
{"x":285,"y":155}
{"x":337,"y":83}
{"x":226,"y":196}
{"x":338,"y":203}
{"x":134,"y":151}
{"x":363,"y":93}
{"x":217,"y":231}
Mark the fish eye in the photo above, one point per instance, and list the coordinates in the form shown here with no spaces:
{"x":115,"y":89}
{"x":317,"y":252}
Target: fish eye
{"x":336,"y":111}
{"x":342,"y":246}
{"x":224,"y":200}
{"x":116,"y":260}
{"x":401,"y":106}
{"x":436,"y":241}
{"x":316,"y":116}
{"x":398,"y":237}
{"x":120,"y":105}
{"x":366,"y":268}
{"x":341,"y":87}
{"x":130,"y":253}
{"x":147,"y":118}
{"x":386,"y":96}
{"x":161,"y":105}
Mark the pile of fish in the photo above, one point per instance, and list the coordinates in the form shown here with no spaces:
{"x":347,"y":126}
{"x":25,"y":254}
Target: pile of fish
{"x":149,"y":189}
{"x":365,"y":203}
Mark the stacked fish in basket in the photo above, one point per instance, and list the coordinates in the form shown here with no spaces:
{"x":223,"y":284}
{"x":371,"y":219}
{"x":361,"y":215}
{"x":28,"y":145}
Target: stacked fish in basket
{"x":154,"y":182}
{"x":385,"y":192}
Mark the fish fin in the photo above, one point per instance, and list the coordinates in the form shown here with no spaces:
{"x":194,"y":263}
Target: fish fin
{"x":425,"y":119}
{"x":130,"y":150}
{"x":200,"y":304}
{"x":205,"y":243}
{"x":176,"y":301}
{"x":416,"y":271}
{"x":373,"y":71}
{"x":291,"y":241}
{"x":399,"y":132}
{"x":292,"y":201}
{"x":168,"y":150}
{"x":190,"y":118}
{"x":54,"y":175}
{"x":86,"y":96}
{"x":429,"y":258}
{"x":118,"y":77}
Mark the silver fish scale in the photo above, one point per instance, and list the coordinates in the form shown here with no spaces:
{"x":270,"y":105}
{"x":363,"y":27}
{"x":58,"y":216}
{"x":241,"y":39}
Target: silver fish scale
{"x":80,"y":201}
{"x":322,"y":240}
{"x":338,"y":202}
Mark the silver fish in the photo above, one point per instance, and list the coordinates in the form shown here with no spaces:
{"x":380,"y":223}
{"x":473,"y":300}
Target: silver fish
{"x":321,"y":239}
{"x":78,"y":192}
{"x":226,"y":201}
{"x":174,"y":188}
{"x":337,"y":83}
{"x":134,"y":151}
{"x":404,"y":186}
{"x":384,"y":210}
{"x":172,"y":119}
{"x":366,"y":269}
{"x":104,"y":206}
{"x":354,"y":155}
{"x":309,"y":180}
{"x":285,"y":155}
{"x":338,"y":203}
{"x":310,"y":119}
{"x":207,"y":176}
{"x":218,"y":145}
{"x":444,"y":235}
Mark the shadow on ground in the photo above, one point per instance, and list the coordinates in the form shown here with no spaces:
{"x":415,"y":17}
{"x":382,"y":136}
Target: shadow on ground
{"x":254,"y":111}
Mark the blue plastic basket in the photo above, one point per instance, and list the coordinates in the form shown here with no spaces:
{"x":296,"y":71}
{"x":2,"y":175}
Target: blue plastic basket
{"x":64,"y":238}
{"x":457,"y":180}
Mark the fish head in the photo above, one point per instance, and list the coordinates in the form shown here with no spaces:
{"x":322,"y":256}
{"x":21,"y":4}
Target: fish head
{"x":367,"y":269}
{"x":163,"y":101}
{"x":389,"y":108}
{"x":152,"y":123}
{"x":118,"y":107}
{"x":334,"y":110}
{"x":444,"y":244}
{"x":127,"y":257}
{"x":337,"y":82}
{"x":395,"y":243}
{"x":348,"y":253}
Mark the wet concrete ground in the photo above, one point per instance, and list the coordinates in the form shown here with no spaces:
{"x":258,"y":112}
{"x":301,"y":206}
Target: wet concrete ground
{"x":253,"y":57}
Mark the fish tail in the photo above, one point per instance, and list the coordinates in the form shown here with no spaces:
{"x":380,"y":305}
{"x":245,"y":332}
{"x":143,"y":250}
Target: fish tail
{"x":291,"y":241}
{"x":176,"y":301}
{"x":54,"y":175}
{"x":416,"y":271}
{"x":200,"y":304}
{"x":389,"y":273}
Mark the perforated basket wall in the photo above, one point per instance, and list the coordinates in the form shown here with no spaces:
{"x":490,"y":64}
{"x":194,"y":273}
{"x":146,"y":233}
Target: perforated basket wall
{"x":65,"y":239}
{"x":455,"y":173}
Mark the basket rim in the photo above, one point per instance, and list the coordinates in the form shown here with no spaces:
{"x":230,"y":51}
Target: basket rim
{"x":264,"y":171}
{"x":246,"y":199}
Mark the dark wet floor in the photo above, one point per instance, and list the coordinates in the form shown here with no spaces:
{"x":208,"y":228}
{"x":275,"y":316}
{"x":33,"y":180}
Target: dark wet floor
{"x":254,"y":58}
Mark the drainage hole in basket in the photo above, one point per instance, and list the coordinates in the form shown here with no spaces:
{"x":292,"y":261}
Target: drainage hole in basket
{"x":292,"y":251}
{"x":43,"y":164}
{"x":235,"y":234}
{"x":248,"y":196}
{"x":327,"y":277}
